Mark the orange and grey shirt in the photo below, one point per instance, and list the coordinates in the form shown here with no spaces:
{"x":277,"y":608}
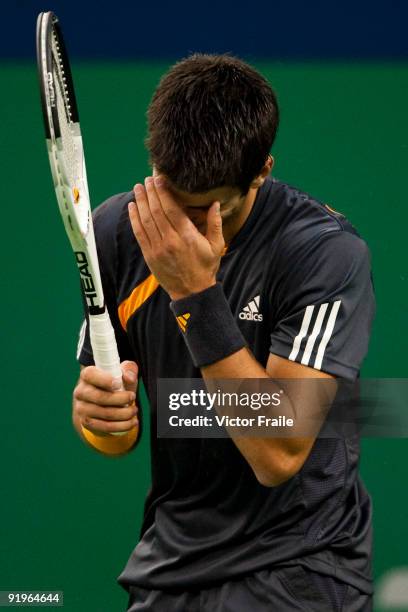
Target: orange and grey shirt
{"x":298,"y":280}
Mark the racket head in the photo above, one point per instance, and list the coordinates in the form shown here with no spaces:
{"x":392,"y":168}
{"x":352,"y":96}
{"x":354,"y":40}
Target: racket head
{"x":66,"y":154}
{"x":62,"y":129}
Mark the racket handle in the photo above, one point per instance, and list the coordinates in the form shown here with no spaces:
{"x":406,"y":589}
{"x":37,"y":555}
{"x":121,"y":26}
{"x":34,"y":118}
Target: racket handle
{"x":104,"y":348}
{"x":103,"y":342}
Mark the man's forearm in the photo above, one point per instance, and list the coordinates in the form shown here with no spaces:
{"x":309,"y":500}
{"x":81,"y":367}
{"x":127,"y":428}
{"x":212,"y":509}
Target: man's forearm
{"x":273,"y":460}
{"x":241,"y":364}
{"x":213,"y":337}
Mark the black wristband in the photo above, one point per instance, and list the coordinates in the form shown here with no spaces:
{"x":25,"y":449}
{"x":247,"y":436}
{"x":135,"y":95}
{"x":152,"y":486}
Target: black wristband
{"x":208,"y":326}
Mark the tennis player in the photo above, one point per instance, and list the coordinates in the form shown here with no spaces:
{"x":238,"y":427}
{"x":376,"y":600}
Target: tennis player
{"x":234,"y":524}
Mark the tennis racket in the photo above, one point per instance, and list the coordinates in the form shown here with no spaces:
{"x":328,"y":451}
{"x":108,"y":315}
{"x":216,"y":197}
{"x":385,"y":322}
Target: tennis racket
{"x":67,"y":161}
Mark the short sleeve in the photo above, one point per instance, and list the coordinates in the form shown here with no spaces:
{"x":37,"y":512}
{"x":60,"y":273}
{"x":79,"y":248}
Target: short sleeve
{"x":105,"y":219}
{"x":327,"y":306}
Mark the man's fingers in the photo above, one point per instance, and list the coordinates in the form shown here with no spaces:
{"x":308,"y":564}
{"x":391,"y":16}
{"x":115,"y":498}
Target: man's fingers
{"x":162,"y":222}
{"x":145,"y":215}
{"x":129,"y":375}
{"x":102,"y":409}
{"x":137,"y":227}
{"x":101,"y":397}
{"x":214,"y":233}
{"x":88,"y":411}
{"x":108,"y":427}
{"x":98,"y":378}
{"x":176,"y":216}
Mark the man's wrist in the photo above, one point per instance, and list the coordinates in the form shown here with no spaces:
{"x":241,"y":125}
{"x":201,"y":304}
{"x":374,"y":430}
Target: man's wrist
{"x":208,"y":326}
{"x":111,"y":445}
{"x":181,"y":296}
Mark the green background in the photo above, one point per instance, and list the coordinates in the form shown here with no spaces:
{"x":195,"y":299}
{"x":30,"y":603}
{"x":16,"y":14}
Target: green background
{"x":70,"y":517}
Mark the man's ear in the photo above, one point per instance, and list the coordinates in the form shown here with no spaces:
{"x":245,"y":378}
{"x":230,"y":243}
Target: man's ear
{"x":267,"y":167}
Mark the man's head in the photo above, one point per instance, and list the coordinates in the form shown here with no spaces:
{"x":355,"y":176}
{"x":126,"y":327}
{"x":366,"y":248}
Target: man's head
{"x":211,"y":124}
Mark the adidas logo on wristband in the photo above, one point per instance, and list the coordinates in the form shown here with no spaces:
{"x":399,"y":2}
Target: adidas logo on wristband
{"x":251,"y":311}
{"x":182,"y":321}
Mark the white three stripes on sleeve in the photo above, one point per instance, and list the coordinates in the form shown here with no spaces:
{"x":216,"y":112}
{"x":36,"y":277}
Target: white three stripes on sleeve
{"x":327,"y":335}
{"x":303,"y":331}
{"x":315,"y":332}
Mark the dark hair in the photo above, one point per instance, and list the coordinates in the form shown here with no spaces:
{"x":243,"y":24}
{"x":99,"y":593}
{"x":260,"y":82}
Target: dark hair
{"x":211,"y":123}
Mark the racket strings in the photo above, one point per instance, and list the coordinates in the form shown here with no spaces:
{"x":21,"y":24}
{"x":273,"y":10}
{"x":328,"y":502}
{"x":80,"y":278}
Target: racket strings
{"x":66,"y":124}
